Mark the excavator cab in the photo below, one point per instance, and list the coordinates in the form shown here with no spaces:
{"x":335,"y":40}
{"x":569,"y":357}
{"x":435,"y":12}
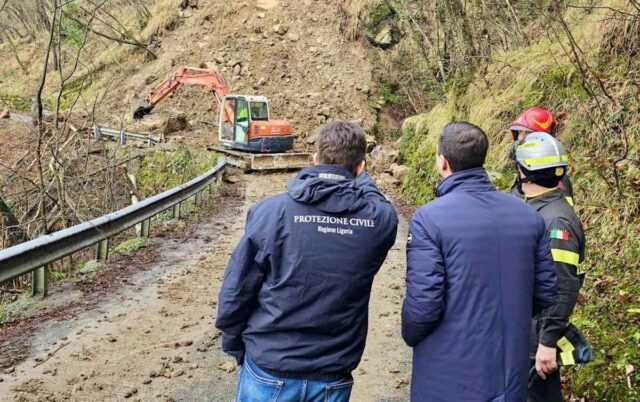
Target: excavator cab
{"x":244,"y":124}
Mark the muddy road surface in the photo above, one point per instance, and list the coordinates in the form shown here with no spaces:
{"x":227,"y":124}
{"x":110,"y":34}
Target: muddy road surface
{"x":154,"y":339}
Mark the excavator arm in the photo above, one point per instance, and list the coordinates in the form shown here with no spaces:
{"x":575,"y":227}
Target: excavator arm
{"x":184,"y":76}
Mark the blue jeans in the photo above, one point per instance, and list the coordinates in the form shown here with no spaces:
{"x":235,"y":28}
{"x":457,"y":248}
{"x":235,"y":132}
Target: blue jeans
{"x":255,"y":385}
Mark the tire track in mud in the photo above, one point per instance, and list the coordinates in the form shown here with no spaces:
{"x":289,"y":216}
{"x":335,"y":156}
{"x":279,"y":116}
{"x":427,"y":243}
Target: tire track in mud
{"x":155,"y":339}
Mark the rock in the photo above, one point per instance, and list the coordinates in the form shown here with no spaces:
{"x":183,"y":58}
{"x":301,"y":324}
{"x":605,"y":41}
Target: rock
{"x":228,"y":366}
{"x":147,"y":381}
{"x":397,"y":171}
{"x":261,"y":15}
{"x":312,"y":139}
{"x":266,"y":5}
{"x":293,"y":37}
{"x":402,"y":381}
{"x":131,"y":392}
{"x":382,"y":157}
{"x":386,"y":180}
{"x":177,"y":121}
{"x":237,"y":69}
{"x":371,"y":142}
{"x":280,"y":29}
{"x":384,"y":37}
{"x":9,"y":370}
{"x":5,"y":114}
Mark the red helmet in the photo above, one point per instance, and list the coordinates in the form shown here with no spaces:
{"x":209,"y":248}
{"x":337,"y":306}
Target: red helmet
{"x":535,"y":119}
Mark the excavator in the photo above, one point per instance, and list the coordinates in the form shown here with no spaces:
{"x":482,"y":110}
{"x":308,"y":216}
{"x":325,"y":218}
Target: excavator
{"x":245,"y":128}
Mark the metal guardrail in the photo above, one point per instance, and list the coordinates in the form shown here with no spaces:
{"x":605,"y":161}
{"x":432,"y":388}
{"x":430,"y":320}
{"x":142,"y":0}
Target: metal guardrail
{"x":122,"y":135}
{"x":35,"y":255}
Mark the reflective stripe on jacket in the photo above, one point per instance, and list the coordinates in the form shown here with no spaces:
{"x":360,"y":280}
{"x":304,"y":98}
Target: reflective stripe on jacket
{"x":567,"y":243}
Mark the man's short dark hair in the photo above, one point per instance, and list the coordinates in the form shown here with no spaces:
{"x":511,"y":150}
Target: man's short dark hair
{"x":341,"y":143}
{"x":464,"y":145}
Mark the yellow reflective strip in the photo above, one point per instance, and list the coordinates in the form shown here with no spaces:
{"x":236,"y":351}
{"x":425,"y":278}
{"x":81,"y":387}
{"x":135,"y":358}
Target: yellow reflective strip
{"x":570,"y":201}
{"x":565,"y":158}
{"x":567,"y":358}
{"x":540,"y":160}
{"x":565,"y":345}
{"x":568,"y":257}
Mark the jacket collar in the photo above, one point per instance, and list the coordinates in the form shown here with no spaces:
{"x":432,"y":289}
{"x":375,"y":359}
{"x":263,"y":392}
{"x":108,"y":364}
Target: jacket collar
{"x":470,"y":180}
{"x":329,"y":172}
{"x":538,"y":201}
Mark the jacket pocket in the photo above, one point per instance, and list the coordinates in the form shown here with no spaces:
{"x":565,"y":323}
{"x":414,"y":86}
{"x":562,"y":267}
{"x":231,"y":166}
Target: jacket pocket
{"x":340,"y":392}
{"x":255,"y":388}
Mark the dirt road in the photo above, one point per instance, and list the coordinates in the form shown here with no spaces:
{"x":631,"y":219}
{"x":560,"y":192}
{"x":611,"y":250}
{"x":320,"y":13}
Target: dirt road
{"x":155,"y":339}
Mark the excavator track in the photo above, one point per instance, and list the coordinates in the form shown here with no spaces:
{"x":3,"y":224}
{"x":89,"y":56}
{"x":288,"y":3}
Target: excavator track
{"x":265,"y":162}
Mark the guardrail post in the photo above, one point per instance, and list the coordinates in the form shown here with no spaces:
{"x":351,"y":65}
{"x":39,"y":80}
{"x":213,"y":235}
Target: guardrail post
{"x":123,"y":137}
{"x":176,"y":211}
{"x":198,"y":199}
{"x":40,"y":281}
{"x":96,"y":131}
{"x":102,"y":250}
{"x":146,"y":225}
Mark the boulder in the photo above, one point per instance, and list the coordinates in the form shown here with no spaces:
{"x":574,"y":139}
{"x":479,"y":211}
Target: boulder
{"x":382,"y":157}
{"x":398,"y":171}
{"x":371,"y":142}
{"x":266,"y":5}
{"x":176,"y":121}
{"x":280,"y":29}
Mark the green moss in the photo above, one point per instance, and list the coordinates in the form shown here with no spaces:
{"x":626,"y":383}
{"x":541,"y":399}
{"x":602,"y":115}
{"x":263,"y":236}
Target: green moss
{"x":19,"y":103}
{"x":130,"y":245}
{"x":379,"y":14}
{"x":160,"y":170}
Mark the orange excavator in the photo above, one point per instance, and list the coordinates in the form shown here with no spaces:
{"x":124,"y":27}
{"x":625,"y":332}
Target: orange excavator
{"x":244,"y":122}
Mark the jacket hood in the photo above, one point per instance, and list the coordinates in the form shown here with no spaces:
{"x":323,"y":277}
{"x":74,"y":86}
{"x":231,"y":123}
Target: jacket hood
{"x":470,"y":180}
{"x":330,"y":188}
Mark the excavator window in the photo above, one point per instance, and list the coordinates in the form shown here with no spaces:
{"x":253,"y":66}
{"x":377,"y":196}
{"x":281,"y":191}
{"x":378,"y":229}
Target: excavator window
{"x":259,"y":111}
{"x":242,"y":120}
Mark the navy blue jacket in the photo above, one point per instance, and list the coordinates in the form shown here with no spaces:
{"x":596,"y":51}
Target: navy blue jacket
{"x":296,"y":290}
{"x":478,"y":267}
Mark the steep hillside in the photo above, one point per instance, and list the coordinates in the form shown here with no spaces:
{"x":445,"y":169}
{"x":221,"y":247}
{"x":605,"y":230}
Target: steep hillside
{"x":592,"y":85}
{"x":291,"y":51}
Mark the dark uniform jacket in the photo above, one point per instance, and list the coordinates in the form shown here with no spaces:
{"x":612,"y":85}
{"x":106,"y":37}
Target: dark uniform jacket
{"x":478,"y":267}
{"x":296,"y":291}
{"x":564,"y":185}
{"x":567,"y":249}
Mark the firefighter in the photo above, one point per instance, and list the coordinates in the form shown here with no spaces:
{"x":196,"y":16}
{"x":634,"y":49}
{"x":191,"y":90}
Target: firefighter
{"x":537,"y":119}
{"x":541,"y":164}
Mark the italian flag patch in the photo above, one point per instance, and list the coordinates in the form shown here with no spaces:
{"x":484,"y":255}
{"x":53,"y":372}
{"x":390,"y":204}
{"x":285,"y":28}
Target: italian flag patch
{"x":559,"y":234}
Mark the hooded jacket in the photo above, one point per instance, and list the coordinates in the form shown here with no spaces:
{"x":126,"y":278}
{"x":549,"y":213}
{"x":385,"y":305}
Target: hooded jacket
{"x":478,"y":267}
{"x":296,"y":290}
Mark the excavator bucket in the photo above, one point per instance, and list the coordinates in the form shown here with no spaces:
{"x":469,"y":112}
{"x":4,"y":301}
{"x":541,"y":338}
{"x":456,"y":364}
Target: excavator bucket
{"x":266,"y":162}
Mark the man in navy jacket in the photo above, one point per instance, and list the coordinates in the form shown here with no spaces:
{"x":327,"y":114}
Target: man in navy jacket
{"x":478,"y":267}
{"x":294,"y":302}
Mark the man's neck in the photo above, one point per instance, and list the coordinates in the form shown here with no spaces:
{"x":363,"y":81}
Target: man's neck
{"x":533,"y":190}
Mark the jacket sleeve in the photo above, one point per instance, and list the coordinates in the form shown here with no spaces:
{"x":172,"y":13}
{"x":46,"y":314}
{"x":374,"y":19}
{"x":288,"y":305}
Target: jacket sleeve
{"x":425,"y":298}
{"x":238,"y":296}
{"x":545,"y":277}
{"x":565,"y":250}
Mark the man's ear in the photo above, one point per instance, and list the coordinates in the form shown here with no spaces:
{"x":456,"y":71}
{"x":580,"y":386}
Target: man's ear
{"x":443,"y":163}
{"x":360,"y":168}
{"x":316,"y":161}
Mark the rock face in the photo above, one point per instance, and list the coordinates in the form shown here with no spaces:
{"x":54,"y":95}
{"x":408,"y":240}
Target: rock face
{"x":382,"y":157}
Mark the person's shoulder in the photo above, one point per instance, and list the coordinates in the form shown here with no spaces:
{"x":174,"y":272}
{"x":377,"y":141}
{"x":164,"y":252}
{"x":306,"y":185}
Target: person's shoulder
{"x":271,"y":204}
